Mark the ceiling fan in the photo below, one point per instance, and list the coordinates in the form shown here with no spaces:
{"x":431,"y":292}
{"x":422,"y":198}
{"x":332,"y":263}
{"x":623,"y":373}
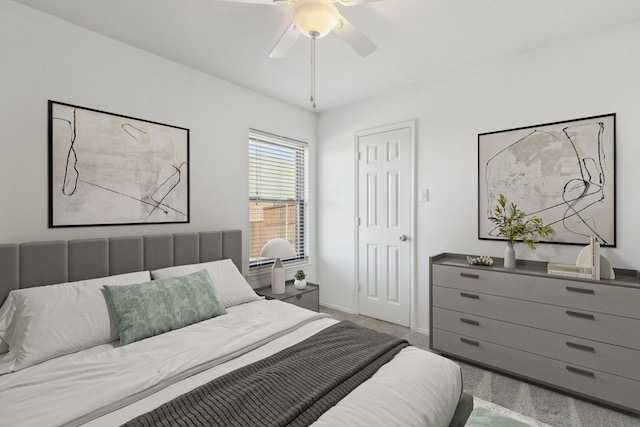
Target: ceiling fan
{"x":315,"y":19}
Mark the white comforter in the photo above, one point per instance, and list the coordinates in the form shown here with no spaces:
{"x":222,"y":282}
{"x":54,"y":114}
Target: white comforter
{"x":108,"y":385}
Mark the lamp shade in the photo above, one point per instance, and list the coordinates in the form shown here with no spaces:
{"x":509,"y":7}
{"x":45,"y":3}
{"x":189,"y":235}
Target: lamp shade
{"x":278,"y":248}
{"x":315,"y":18}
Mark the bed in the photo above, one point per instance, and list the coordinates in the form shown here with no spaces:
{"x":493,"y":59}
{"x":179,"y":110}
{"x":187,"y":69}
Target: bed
{"x":74,"y":350}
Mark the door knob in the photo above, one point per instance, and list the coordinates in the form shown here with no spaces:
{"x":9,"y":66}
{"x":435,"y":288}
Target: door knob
{"x":403,"y":238}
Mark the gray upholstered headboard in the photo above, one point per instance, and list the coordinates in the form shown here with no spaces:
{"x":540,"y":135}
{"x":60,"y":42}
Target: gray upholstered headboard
{"x":45,"y":263}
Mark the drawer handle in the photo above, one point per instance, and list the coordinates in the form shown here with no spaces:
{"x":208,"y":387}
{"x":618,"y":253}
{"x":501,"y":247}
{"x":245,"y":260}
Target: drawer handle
{"x":468,"y":295}
{"x":469,"y":321}
{"x":581,"y":290}
{"x":581,"y":315}
{"x":470,"y":276}
{"x":581,"y":372}
{"x":468,"y":341}
{"x":581,"y":346}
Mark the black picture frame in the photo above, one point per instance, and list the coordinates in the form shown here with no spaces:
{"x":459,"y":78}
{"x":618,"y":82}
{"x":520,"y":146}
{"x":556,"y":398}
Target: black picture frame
{"x":111,"y":169}
{"x":562,"y":172}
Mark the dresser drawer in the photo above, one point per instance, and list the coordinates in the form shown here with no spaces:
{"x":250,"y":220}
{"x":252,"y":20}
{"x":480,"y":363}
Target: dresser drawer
{"x":308,"y":300}
{"x":615,"y":360}
{"x":582,"y":295}
{"x":612,"y":389}
{"x":578,"y":323}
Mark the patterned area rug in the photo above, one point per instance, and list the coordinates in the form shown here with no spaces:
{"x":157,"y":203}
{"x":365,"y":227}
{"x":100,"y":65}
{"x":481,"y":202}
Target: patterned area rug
{"x":487,"y":414}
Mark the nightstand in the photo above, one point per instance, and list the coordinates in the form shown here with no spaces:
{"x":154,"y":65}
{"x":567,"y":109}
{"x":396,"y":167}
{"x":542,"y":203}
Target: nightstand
{"x":308,"y":298}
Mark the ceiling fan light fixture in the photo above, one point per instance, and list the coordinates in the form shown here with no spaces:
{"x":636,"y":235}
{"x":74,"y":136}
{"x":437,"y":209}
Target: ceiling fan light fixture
{"x":315,"y":18}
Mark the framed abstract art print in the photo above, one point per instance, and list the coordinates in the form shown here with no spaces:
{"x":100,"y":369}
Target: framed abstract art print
{"x":109,"y":169}
{"x":562,"y":172}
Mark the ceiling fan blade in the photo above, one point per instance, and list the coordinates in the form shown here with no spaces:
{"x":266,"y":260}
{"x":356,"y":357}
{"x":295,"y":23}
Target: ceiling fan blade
{"x":355,"y":2}
{"x":285,"y":43}
{"x":354,"y":38}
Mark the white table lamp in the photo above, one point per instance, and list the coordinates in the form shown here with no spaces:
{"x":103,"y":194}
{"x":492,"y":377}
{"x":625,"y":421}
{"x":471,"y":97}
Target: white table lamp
{"x":277,"y":248}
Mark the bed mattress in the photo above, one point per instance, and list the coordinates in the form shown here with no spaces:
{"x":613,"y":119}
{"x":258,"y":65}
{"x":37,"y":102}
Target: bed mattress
{"x":109,"y":385}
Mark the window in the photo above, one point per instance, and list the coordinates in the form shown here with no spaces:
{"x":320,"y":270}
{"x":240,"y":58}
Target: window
{"x":278,"y":187}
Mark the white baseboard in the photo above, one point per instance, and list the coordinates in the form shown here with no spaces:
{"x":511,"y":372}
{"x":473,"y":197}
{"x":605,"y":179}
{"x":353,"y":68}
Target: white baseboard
{"x":421,"y":330}
{"x":336,"y":307}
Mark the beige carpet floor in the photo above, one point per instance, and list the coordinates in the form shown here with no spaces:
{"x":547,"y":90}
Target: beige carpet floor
{"x":541,"y":404}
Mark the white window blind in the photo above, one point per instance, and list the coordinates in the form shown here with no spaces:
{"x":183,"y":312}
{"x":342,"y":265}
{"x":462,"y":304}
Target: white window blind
{"x":278,"y":192}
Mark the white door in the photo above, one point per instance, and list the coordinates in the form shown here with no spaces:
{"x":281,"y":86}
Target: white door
{"x":384,"y":209}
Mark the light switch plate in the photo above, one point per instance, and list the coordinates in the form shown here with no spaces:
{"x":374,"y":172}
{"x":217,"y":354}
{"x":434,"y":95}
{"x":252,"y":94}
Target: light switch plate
{"x":423,"y":196}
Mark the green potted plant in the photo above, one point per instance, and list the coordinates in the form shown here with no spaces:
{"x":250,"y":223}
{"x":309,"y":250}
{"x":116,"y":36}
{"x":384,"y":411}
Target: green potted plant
{"x":513,"y":224}
{"x":300,"y":281}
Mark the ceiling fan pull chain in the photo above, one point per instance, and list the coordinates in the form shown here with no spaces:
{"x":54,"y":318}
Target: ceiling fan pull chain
{"x":311,"y":64}
{"x":313,"y":71}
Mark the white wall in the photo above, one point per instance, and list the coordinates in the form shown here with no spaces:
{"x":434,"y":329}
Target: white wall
{"x":46,"y":58}
{"x":593,"y":76}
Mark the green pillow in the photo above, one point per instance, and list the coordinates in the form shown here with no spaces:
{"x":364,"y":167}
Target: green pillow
{"x":146,"y":309}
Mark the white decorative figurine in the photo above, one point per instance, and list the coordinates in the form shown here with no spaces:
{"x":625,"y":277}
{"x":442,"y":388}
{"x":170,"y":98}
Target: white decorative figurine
{"x":481,"y":260}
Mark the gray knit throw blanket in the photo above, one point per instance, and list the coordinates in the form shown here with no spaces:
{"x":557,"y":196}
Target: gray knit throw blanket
{"x":291,"y":388}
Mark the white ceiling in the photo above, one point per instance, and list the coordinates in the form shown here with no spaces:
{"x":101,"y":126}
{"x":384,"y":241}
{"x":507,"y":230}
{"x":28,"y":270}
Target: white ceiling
{"x":419,"y":41}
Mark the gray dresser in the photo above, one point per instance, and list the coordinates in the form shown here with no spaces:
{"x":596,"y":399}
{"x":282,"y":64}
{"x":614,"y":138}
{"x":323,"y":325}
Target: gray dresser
{"x":577,"y":335}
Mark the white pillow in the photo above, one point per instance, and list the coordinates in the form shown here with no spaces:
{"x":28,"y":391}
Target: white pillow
{"x":6,"y":315}
{"x":5,"y":364}
{"x":232,"y":287}
{"x":50,"y":321}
